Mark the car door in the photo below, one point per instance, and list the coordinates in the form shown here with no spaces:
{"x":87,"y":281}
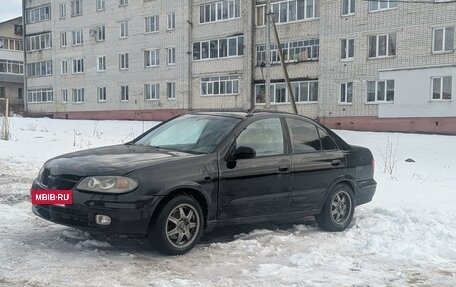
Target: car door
{"x":316,"y":163}
{"x":260,"y":185}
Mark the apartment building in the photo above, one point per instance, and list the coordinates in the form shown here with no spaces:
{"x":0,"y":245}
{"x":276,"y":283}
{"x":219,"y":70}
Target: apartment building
{"x":11,"y":64}
{"x":354,"y":64}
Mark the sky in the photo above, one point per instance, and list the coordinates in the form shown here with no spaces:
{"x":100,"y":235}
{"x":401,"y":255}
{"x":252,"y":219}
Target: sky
{"x":10,"y":9}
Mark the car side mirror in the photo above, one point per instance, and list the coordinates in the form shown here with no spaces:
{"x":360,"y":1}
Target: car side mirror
{"x":244,"y":152}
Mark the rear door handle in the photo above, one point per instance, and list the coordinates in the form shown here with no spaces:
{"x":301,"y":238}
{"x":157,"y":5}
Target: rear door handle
{"x":284,"y":168}
{"x":336,"y":163}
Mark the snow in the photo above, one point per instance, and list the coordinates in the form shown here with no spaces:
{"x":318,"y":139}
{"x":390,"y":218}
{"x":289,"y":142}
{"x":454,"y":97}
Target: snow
{"x":406,"y":236}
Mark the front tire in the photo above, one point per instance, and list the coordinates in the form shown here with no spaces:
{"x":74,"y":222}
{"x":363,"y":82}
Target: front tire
{"x":178,"y":226}
{"x":337,"y":213}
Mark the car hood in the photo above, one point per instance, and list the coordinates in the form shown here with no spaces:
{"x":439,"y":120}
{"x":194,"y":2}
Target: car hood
{"x":111,"y":160}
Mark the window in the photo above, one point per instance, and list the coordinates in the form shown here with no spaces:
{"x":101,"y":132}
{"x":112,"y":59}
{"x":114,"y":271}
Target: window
{"x":40,"y":96}
{"x":348,"y":7}
{"x":100,"y":33}
{"x":152,"y":24}
{"x":78,"y":38}
{"x":297,"y":51}
{"x":38,"y":42}
{"x":379,"y":5}
{"x":228,"y":85}
{"x":347,"y":49}
{"x":39,"y":69}
{"x":124,"y":96}
{"x":62,"y":10}
{"x":63,"y":40}
{"x":78,"y":66}
{"x":303,"y":91}
{"x":64,"y":95}
{"x":443,"y":40}
{"x":38,"y":14}
{"x":288,"y":11}
{"x":152,"y":58}
{"x":123,"y":29}
{"x":326,"y":141}
{"x":152,"y":91}
{"x":64,"y":67}
{"x":171,"y":56}
{"x":171,"y":90}
{"x":2,"y":92}
{"x":220,"y":48}
{"x":220,"y":11}
{"x":382,"y":45}
{"x":123,"y":61}
{"x":264,"y":136}
{"x":304,"y":136}
{"x":101,"y":5}
{"x":101,"y":63}
{"x":171,"y":20}
{"x":11,"y":67}
{"x":76,"y":7}
{"x":20,"y":93}
{"x":101,"y":94}
{"x":380,"y":91}
{"x":123,"y":2}
{"x":441,"y":88}
{"x":346,"y":93}
{"x":11,"y":44}
{"x":78,"y":95}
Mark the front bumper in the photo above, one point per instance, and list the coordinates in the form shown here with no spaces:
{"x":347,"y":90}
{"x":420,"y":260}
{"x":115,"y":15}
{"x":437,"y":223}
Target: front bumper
{"x":130,"y":214}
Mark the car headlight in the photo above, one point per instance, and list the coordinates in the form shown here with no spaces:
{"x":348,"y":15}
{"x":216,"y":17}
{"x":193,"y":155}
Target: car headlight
{"x":108,"y":184}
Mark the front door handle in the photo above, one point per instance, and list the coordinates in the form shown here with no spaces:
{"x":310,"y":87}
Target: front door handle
{"x":336,"y":163}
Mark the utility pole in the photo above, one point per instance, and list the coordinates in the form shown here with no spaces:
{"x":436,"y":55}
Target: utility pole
{"x":267,"y":85}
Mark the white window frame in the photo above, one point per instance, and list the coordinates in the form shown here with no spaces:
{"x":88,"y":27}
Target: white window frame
{"x":78,"y":66}
{"x":351,"y":6}
{"x":171,"y":56}
{"x":377,"y":46}
{"x":149,"y":28}
{"x":76,"y":8}
{"x":385,"y":95}
{"x":441,"y":78}
{"x":152,"y":92}
{"x":219,"y":86}
{"x":123,"y":30}
{"x":444,"y":40}
{"x":214,"y":12}
{"x":296,"y":51}
{"x":153,"y":57}
{"x":124,"y":93}
{"x":238,"y":53}
{"x":39,"y":96}
{"x":171,"y":90}
{"x":344,"y":93}
{"x":123,"y":2}
{"x":78,"y":95}
{"x":35,"y":43}
{"x":347,"y":49}
{"x":64,"y":67}
{"x":171,"y":21}
{"x":101,"y":5}
{"x":38,"y":14}
{"x":62,"y":10}
{"x":275,"y":8}
{"x":101,"y":94}
{"x":124,"y":61}
{"x":63,"y":40}
{"x":307,"y":98}
{"x":101,"y":63}
{"x":388,"y":5}
{"x":100,"y":33}
{"x":78,"y":37}
{"x":64,"y":96}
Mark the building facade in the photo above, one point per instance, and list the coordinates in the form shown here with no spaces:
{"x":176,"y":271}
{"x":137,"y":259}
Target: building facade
{"x":12,"y":65}
{"x":366,"y":65}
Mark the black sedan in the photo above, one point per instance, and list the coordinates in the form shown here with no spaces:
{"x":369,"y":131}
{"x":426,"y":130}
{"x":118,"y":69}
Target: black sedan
{"x":206,"y":169}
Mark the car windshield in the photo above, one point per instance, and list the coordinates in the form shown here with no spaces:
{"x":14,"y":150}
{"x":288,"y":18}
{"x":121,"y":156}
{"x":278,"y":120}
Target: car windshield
{"x":190,"y":133}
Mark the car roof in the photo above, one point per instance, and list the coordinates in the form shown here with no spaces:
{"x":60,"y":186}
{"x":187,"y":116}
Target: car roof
{"x":241,"y":113}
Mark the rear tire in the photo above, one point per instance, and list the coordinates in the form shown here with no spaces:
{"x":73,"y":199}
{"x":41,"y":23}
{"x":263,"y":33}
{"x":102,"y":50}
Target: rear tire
{"x":177,"y":227}
{"x":337,"y":213}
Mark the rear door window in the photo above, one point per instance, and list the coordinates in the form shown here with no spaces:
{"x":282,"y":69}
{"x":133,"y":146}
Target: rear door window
{"x":326,"y":141}
{"x":304,"y":136}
